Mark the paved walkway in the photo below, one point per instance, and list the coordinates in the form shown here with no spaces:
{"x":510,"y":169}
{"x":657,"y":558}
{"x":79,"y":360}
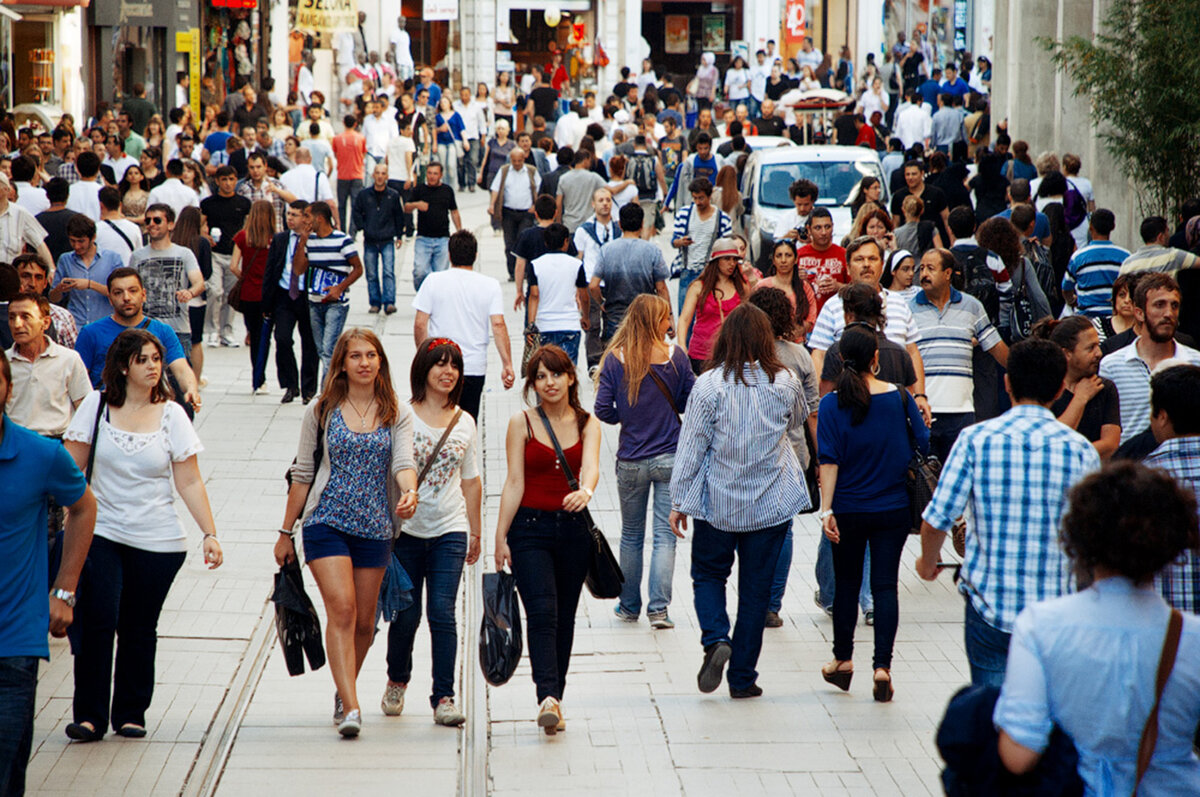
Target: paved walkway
{"x":227,"y":718}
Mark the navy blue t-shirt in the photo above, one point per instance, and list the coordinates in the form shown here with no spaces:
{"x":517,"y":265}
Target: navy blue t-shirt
{"x":35,"y":468}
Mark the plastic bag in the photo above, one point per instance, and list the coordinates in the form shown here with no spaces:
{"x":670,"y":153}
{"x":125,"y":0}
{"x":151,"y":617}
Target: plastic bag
{"x":395,"y":594}
{"x":296,"y":621}
{"x":500,"y":631}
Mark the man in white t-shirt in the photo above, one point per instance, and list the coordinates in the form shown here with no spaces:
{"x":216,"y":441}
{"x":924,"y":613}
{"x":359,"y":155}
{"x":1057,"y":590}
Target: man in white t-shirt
{"x":464,"y":306}
{"x":305,"y":182}
{"x":401,"y":44}
{"x":114,"y":232}
{"x":558,"y":297}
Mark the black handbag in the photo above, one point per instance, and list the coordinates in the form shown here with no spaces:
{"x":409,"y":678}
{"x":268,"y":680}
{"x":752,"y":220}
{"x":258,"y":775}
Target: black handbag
{"x":604,"y":577}
{"x":500,"y":629}
{"x":921,"y":474}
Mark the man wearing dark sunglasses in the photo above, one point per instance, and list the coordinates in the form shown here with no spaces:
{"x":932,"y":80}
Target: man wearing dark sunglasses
{"x":169,"y":273}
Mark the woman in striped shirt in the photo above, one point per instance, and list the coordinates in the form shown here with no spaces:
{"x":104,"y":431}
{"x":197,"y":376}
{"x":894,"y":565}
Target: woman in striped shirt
{"x":737,"y":475}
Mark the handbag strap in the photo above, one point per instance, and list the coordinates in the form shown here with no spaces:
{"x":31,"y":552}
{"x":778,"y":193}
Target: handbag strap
{"x":658,"y":380}
{"x":91,"y":460}
{"x":572,"y":482}
{"x":1166,"y":662}
{"x":904,"y":399}
{"x":437,"y":449}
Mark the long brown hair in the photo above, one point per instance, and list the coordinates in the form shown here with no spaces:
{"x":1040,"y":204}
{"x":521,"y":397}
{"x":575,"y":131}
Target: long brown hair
{"x":708,"y":283}
{"x":187,"y":228}
{"x":129,"y":344}
{"x":337,"y":386}
{"x":869,"y":210}
{"x":746,"y":337}
{"x":727,"y":181}
{"x":260,"y":224}
{"x":556,"y":361}
{"x":636,"y":338}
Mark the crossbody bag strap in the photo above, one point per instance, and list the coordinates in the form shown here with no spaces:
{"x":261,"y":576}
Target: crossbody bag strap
{"x":437,"y":449}
{"x":91,"y":460}
{"x":572,"y":482}
{"x":662,"y":386}
{"x":1166,"y":663}
{"x":119,"y":232}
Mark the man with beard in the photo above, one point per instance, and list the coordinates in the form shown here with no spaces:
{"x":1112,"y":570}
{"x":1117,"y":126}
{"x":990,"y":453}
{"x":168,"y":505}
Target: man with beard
{"x":1088,"y":404}
{"x":1156,"y":308}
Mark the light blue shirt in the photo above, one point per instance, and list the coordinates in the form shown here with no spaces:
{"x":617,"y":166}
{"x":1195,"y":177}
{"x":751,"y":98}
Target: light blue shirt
{"x":1087,"y":663}
{"x":85,"y":304}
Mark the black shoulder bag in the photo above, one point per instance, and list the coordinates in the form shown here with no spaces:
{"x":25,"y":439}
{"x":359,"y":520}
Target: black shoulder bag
{"x":922,"y":473}
{"x":91,"y":460}
{"x":604,"y":576}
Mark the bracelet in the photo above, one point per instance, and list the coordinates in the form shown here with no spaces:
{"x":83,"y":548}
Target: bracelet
{"x":289,"y":533}
{"x":410,"y":492}
{"x":824,"y":514}
{"x":920,"y":395}
{"x":212,"y":536}
{"x":590,"y":493}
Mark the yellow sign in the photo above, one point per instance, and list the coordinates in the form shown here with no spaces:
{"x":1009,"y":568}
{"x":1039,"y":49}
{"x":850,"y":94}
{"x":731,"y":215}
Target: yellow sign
{"x":188,"y":41}
{"x":326,"y":16}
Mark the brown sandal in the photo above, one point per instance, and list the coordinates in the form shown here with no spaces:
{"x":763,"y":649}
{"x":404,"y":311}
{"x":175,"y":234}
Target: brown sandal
{"x":883,"y":686}
{"x":834,"y":674}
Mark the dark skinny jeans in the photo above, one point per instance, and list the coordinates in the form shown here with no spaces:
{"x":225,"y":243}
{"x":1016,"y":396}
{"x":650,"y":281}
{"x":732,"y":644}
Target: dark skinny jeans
{"x":121,"y":593}
{"x":550,"y":554}
{"x":886,"y":533}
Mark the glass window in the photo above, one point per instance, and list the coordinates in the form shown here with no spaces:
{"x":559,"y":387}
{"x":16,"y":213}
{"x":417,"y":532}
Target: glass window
{"x":835,"y":179}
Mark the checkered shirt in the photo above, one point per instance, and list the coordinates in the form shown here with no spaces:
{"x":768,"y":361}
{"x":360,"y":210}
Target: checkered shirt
{"x":1179,"y":582}
{"x":1012,"y":473}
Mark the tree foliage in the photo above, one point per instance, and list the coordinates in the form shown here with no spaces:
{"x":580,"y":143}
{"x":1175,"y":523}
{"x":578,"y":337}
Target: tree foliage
{"x":1139,"y":73}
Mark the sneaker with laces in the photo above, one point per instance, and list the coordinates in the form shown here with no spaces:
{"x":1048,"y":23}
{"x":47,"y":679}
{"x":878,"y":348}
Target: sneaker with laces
{"x":339,"y":711}
{"x":549,"y":716}
{"x":448,"y":714}
{"x":393,"y":699}
{"x":621,"y":614}
{"x":351,"y":725}
{"x":660,"y":620}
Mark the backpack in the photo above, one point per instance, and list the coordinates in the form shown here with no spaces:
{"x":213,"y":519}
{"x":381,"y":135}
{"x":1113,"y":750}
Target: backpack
{"x":1074,"y":206}
{"x":1029,"y":304}
{"x":978,"y":280}
{"x":644,"y":175}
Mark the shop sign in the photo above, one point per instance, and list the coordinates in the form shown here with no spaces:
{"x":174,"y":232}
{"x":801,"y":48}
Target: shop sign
{"x":678,"y":34}
{"x":235,"y":3}
{"x":439,"y":10}
{"x":327,"y":16}
{"x":794,"y":22}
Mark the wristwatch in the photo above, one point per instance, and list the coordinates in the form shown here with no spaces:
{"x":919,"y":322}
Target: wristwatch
{"x":64,"y":596}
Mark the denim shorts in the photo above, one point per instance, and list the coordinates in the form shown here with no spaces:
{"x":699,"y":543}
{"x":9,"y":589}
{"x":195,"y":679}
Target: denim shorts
{"x":321,"y":540}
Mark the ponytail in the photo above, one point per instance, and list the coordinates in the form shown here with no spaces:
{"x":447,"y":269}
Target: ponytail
{"x":857,"y":347}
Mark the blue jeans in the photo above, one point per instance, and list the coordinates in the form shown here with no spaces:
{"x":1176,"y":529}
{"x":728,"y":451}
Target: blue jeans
{"x":328,"y":319}
{"x":635,"y":478}
{"x":18,"y":688}
{"x":825,"y":577}
{"x":987,"y":649}
{"x":686,"y":278}
{"x":429,"y":255}
{"x":438,"y":563}
{"x":945,"y":430}
{"x":712,"y":562}
{"x":567,"y":341}
{"x":372,"y":252}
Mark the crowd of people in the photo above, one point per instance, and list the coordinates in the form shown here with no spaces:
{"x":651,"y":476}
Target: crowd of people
{"x":982,"y":316}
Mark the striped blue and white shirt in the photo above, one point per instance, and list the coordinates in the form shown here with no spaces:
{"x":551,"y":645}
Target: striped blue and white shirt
{"x":734,"y":466}
{"x":831,"y":322}
{"x":1131,"y":374}
{"x":1179,"y":582}
{"x":1013,"y":474}
{"x":329,"y":254}
{"x":947,"y":346}
{"x":1091,"y":273}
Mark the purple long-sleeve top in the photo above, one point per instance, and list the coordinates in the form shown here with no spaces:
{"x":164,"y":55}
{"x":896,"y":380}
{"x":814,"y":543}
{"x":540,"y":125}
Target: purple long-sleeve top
{"x":650,"y":428}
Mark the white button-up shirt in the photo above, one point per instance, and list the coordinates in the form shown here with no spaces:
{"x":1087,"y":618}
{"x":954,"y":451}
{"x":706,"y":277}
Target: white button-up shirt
{"x":45,"y":390}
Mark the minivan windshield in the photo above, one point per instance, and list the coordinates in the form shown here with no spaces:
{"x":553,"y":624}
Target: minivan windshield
{"x":836,"y":179}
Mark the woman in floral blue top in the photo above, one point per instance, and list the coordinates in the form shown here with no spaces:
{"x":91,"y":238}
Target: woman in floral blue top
{"x":345,"y":502}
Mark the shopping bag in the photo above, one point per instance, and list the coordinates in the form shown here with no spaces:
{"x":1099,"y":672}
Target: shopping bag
{"x":296,"y":621}
{"x":500,"y":631}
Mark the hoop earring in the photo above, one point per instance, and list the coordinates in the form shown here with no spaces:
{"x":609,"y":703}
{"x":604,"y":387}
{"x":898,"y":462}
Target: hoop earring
{"x":875,"y":369}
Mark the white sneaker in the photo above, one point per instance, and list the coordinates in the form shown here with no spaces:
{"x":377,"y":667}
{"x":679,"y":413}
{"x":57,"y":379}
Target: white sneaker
{"x":393,"y":699}
{"x":448,"y":714}
{"x":549,"y":716}
{"x":351,"y":725}
{"x":339,"y":711}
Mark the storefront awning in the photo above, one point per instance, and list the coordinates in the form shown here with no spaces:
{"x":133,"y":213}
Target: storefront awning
{"x":13,"y":15}
{"x":33,"y":7}
{"x":546,"y":5}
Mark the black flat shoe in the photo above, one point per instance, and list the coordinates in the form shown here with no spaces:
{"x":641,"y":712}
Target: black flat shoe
{"x":306,"y":399}
{"x":78,"y":732}
{"x":753,"y":690}
{"x":131,"y":731}
{"x":716,"y":656}
{"x":838,"y":677}
{"x":289,"y":396}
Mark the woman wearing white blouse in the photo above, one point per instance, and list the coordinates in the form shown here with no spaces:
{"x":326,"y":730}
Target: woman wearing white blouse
{"x":142,"y":440}
{"x":737,"y":81}
{"x":873,"y":99}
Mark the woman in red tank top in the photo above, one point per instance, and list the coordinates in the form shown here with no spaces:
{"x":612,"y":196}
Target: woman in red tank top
{"x":541,"y":533}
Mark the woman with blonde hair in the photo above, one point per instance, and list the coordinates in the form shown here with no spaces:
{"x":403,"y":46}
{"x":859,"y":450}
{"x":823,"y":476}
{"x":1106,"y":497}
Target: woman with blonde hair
{"x":155,"y":132}
{"x":876,"y":222}
{"x":249,"y":265}
{"x":726,"y":195}
{"x":643,"y":385}
{"x":354,"y":466}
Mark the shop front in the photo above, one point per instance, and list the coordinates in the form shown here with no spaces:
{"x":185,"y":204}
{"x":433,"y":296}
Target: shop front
{"x":679,"y":32}
{"x":233,"y":40}
{"x":528,"y":38}
{"x":132,"y":43}
{"x":41,"y":56}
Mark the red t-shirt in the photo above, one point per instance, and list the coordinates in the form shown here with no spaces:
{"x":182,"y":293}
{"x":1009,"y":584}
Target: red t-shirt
{"x":350,"y":149}
{"x":254,"y":267}
{"x":829,"y":263}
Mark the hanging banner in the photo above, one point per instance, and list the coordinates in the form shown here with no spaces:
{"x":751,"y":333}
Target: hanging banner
{"x":187,"y":42}
{"x":794,"y":24}
{"x":678,"y":34}
{"x":440,"y":10}
{"x":326,"y":16}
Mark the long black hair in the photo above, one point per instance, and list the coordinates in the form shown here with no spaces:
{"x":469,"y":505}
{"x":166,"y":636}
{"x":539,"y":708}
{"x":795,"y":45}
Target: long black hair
{"x":801,"y":312}
{"x":857,"y":347}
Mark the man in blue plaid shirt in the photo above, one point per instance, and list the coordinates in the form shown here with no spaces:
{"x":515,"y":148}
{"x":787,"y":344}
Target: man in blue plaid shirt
{"x":1011,"y":475}
{"x":1175,"y":421}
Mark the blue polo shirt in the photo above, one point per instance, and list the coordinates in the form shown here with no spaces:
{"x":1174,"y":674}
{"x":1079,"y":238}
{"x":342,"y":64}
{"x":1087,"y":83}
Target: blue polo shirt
{"x":87,"y":305}
{"x":95,"y":339}
{"x":34,"y":468}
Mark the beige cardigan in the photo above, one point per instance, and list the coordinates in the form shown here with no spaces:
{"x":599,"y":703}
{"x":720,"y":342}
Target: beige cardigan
{"x":305,"y":472}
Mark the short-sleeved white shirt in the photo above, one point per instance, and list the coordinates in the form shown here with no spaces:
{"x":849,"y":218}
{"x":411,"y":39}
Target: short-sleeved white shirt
{"x":442,"y":508}
{"x":131,"y":476}
{"x":396,"y":162}
{"x":306,"y":183}
{"x":901,"y":328}
{"x":460,"y":304}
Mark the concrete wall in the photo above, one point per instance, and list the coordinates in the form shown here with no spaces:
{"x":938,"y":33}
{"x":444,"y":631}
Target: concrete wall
{"x":1038,"y":100}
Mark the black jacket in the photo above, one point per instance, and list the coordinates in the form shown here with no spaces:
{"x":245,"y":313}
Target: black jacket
{"x":378,"y":214}
{"x":276,"y":260}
